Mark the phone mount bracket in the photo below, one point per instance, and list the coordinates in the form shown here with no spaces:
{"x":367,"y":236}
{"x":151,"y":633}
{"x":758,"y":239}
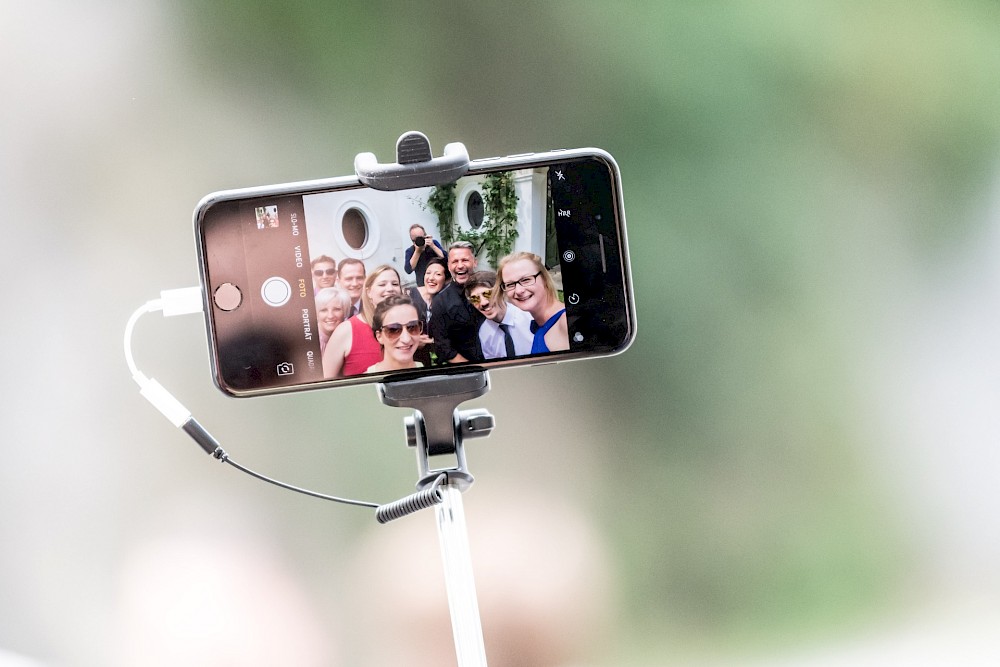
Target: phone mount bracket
{"x":437,"y":427}
{"x":414,"y":166}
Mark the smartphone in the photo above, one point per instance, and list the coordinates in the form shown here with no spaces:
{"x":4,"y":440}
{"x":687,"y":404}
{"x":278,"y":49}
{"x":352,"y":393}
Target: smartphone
{"x":326,"y":283}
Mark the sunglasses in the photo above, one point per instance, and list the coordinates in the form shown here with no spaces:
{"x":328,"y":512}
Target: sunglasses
{"x":395,"y":330}
{"x":485,"y":297}
{"x":319,"y":273}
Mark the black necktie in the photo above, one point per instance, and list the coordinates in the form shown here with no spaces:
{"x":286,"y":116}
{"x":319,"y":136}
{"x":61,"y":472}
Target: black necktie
{"x":507,"y":340}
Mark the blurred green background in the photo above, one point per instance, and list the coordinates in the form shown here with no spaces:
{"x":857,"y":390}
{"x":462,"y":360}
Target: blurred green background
{"x":794,"y":464}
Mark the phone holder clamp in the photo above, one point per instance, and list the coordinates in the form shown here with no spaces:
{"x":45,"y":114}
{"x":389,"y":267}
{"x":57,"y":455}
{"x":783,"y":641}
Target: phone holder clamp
{"x":414,"y":166}
{"x":437,"y":427}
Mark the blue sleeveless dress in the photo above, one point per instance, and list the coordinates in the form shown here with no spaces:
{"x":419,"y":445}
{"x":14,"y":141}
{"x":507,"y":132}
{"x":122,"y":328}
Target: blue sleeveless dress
{"x":538,"y":344}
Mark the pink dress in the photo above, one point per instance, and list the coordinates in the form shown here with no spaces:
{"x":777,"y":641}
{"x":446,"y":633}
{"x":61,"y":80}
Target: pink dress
{"x":365,"y":350}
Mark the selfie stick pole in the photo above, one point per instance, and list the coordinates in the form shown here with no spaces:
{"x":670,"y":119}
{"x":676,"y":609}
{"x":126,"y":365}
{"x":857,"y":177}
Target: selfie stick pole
{"x":437,"y":427}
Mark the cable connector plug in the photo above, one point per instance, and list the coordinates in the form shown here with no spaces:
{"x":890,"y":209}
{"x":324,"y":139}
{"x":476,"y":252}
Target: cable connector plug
{"x":183,"y":301}
{"x":171,"y":302}
{"x":204,"y":439}
{"x":164,"y":401}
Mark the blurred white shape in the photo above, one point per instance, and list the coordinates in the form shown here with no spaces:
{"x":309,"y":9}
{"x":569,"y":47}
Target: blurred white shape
{"x":8,"y":659}
{"x":937,"y":373}
{"x":964,"y":632}
{"x":212,"y":602}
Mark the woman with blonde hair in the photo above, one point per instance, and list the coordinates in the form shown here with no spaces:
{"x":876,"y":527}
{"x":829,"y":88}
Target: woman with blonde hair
{"x":352,"y":347}
{"x":333,"y":306}
{"x":518,"y":277}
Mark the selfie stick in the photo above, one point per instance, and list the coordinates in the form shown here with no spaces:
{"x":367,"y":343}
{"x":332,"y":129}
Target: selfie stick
{"x":437,"y":427}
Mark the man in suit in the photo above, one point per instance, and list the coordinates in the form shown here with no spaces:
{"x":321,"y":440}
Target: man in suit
{"x":506,"y":330}
{"x":455,"y":322}
{"x":351,"y":277}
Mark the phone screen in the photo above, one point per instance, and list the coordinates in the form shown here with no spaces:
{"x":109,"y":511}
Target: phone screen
{"x":325,"y":283}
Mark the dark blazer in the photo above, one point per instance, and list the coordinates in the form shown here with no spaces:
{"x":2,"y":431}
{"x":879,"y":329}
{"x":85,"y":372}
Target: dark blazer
{"x":455,"y":325}
{"x":423,"y":355}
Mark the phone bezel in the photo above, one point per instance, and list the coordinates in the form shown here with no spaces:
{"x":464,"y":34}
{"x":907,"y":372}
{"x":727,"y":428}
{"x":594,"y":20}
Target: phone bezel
{"x":476,"y":167}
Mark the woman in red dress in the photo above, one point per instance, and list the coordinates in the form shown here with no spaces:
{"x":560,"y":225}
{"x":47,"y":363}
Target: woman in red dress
{"x":352,"y":347}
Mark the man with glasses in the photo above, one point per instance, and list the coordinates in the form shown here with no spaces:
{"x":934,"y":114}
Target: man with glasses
{"x":454,"y":325}
{"x":506,"y":331}
{"x":324,"y":272}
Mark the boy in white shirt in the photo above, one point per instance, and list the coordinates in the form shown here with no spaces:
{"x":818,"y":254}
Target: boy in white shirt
{"x":506,"y":331}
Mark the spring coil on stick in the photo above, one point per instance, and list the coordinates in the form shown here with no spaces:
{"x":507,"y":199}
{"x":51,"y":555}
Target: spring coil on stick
{"x":412,"y":503}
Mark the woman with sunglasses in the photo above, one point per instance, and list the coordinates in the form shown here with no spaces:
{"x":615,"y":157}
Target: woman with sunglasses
{"x":526,"y":283}
{"x":397,"y":328}
{"x":352,"y":347}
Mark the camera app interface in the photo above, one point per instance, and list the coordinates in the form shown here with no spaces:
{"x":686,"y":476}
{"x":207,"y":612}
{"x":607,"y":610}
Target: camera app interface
{"x":343,"y":283}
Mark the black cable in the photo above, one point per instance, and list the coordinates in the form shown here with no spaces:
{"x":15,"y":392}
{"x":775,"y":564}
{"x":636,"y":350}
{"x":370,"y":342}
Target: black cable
{"x":222,"y":456}
{"x":211,"y":446}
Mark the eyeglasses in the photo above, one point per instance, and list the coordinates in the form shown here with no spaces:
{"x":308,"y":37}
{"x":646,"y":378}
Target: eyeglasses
{"x":395,"y":330}
{"x":319,"y":273}
{"x":526,"y":281}
{"x":475,"y":299}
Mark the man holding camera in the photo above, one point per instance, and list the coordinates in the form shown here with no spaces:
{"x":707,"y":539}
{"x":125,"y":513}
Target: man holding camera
{"x":425,"y":248}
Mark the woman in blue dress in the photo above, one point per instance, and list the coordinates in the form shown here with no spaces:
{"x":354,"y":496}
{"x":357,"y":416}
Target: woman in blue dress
{"x":527,"y":284}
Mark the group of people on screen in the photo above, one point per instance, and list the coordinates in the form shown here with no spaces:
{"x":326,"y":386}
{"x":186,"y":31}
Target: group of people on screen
{"x":369,"y":322}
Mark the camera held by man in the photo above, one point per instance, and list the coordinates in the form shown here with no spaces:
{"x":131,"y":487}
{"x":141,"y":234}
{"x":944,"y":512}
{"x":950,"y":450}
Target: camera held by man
{"x":425,"y":248}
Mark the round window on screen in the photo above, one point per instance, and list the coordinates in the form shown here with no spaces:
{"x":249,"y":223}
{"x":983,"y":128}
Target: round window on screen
{"x":355,"y":228}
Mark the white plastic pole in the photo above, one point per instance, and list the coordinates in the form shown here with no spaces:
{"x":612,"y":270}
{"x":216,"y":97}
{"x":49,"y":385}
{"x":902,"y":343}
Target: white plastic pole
{"x":459,"y":582}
